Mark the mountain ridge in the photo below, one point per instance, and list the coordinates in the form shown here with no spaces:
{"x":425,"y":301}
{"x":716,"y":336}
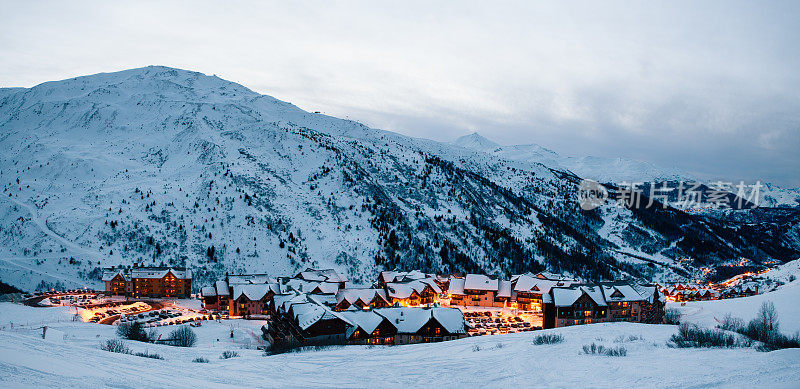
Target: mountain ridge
{"x":159,"y":165}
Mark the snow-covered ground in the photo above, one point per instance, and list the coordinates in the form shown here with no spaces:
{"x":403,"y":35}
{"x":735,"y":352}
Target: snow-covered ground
{"x":488,"y":361}
{"x":785,"y":298}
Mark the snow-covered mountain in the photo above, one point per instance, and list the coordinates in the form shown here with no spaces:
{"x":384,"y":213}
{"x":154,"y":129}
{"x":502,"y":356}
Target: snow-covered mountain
{"x":597,"y":168}
{"x":611,"y":170}
{"x":157,"y":165}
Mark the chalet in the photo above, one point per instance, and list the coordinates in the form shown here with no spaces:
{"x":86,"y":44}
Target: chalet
{"x":577,"y":304}
{"x":252,"y":300}
{"x":456,"y":291}
{"x":403,"y":294}
{"x":603,"y":302}
{"x":528,"y":290}
{"x":304,"y":319}
{"x":368,"y":327}
{"x":220,"y":295}
{"x":215,"y":297}
{"x":361,"y":298}
{"x":479,"y":290}
{"x":623,"y":301}
{"x":425,"y":324}
{"x":307,"y":319}
{"x":117,"y":282}
{"x":749,"y":290}
{"x":148,"y":282}
{"x":251,"y":294}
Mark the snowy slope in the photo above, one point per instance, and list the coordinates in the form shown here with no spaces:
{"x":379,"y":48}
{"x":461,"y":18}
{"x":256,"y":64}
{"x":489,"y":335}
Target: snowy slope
{"x":708,"y":313}
{"x":488,"y":361}
{"x":159,"y":165}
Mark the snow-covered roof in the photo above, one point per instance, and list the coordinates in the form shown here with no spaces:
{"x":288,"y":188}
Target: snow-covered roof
{"x":529,"y":283}
{"x":283,"y":301}
{"x":254,"y":292}
{"x":305,"y":286}
{"x":208,"y":291}
{"x":400,"y":276}
{"x":324,"y":299}
{"x":553,"y":277}
{"x":327,"y":275}
{"x":222,"y":288}
{"x":160,"y":273}
{"x":367,"y":321}
{"x":403,"y":290}
{"x":648,"y":292}
{"x":409,"y":320}
{"x":480,"y":282}
{"x":504,"y":289}
{"x":400,"y":291}
{"x":146,"y":272}
{"x":564,"y":297}
{"x":326,"y":288}
{"x":242,"y":279}
{"x":620,"y":293}
{"x":308,"y":312}
{"x":456,"y":286}
{"x":367,"y":296}
{"x":110,"y":274}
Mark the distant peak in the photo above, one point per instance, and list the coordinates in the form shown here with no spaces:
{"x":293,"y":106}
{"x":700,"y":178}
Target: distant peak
{"x":475,"y":141}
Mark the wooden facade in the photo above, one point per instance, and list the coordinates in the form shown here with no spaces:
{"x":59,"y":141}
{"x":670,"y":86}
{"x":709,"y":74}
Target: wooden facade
{"x":148,"y":282}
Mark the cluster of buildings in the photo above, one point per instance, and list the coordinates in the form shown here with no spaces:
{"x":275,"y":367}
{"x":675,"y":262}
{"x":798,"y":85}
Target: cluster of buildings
{"x":689,"y":292}
{"x":316,"y":306}
{"x":560,"y":301}
{"x":148,"y":281}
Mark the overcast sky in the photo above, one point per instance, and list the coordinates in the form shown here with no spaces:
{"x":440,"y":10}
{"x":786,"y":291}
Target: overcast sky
{"x":711,"y":88}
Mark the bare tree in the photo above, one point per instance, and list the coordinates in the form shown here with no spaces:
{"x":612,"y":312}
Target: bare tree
{"x":765,"y":326}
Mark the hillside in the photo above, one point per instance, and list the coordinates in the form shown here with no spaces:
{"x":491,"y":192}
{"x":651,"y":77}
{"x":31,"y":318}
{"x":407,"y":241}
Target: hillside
{"x":159,"y":165}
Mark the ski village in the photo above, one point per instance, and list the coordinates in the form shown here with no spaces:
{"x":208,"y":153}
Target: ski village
{"x":399,"y":194}
{"x":349,"y":256}
{"x":151,"y":314}
{"x":364,"y":281}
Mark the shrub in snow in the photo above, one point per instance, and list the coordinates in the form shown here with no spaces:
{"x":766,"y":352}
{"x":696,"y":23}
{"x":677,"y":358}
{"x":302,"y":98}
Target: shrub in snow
{"x":690,"y":335}
{"x":200,"y":360}
{"x":599,"y":349}
{"x":115,"y":346}
{"x":548,"y":339}
{"x":183,"y":337}
{"x":672,"y":316}
{"x":228,"y":354}
{"x":629,"y":338}
{"x":135,"y":331}
{"x":148,"y":355}
{"x":764,"y":328}
{"x":731,"y":323}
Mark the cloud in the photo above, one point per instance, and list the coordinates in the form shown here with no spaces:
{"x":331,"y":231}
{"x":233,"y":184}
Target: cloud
{"x":709,"y":87}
